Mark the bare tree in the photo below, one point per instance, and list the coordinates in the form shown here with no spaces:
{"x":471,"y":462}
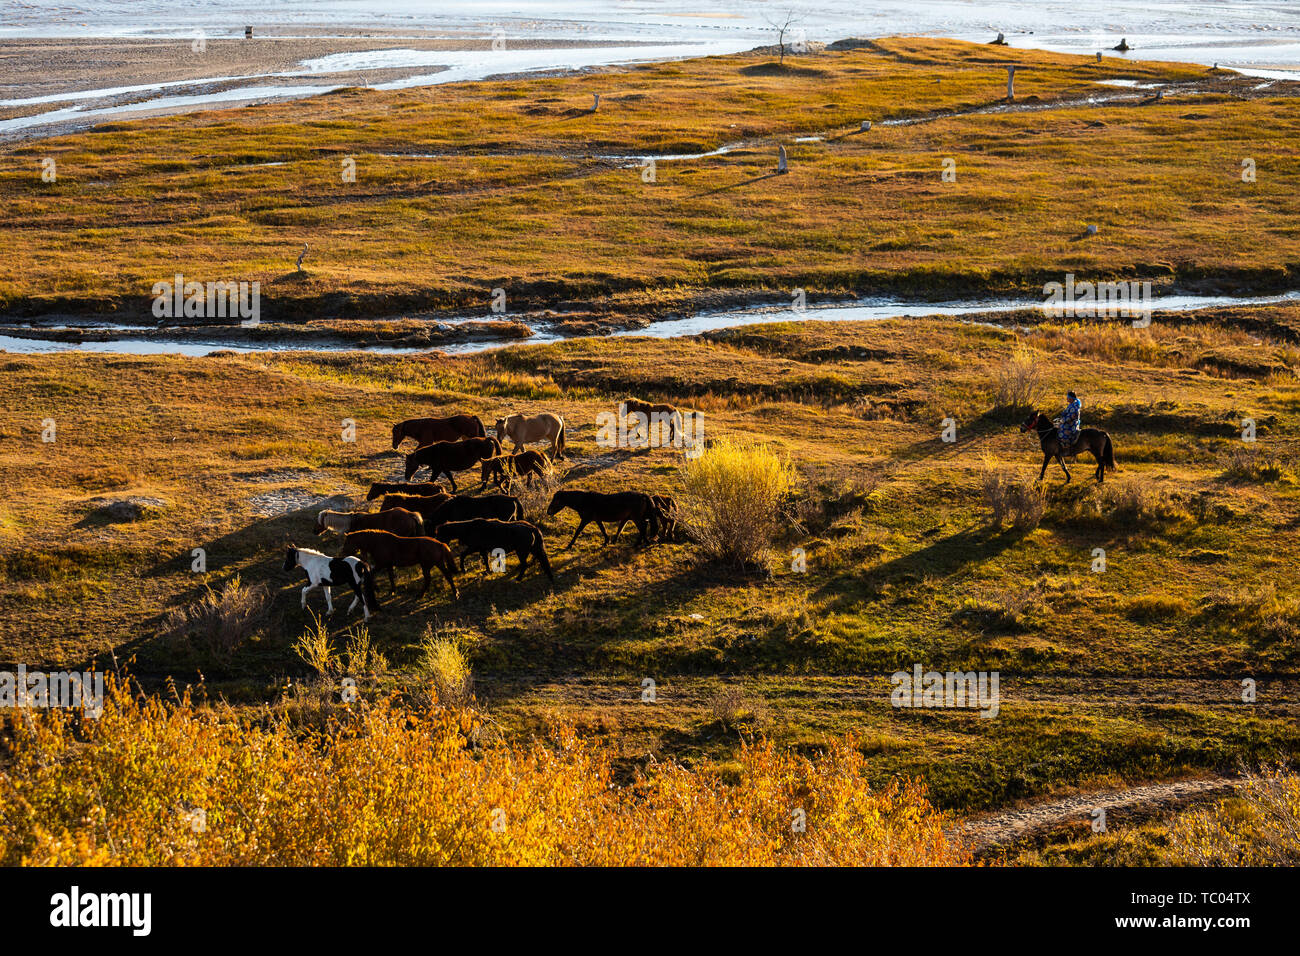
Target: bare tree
{"x":782,"y":27}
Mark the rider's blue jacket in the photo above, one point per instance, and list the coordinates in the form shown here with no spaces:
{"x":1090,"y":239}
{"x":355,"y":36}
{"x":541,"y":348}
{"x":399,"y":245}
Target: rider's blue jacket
{"x":1069,"y":429}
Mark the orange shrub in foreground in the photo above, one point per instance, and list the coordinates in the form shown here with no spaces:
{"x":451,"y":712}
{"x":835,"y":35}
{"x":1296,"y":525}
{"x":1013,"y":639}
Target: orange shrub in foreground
{"x":156,"y":783}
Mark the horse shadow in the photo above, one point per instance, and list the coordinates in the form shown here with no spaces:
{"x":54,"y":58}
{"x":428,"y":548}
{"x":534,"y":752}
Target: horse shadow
{"x":746,"y":182}
{"x":943,"y":558}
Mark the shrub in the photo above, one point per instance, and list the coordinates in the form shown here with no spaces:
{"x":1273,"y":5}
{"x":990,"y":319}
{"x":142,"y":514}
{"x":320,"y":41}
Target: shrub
{"x":220,"y":621}
{"x":1005,"y":612}
{"x":1130,"y":504}
{"x":399,"y":786}
{"x":1260,"y":466}
{"x":728,"y":706}
{"x":1012,"y":499}
{"x":1259,"y":615}
{"x":1260,"y":826}
{"x":314,"y":649}
{"x":732,"y":500}
{"x":1017,"y":381}
{"x":444,"y":664}
{"x":536,"y":498}
{"x":1155,"y":607}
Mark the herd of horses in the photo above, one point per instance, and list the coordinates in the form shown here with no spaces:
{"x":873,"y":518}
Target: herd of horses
{"x":418,"y":523}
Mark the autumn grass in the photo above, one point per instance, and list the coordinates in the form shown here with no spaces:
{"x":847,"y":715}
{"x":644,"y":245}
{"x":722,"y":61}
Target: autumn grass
{"x":902,"y":565}
{"x":517,"y":183}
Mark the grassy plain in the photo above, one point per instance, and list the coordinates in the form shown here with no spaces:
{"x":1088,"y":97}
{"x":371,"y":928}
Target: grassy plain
{"x":516,"y":184}
{"x":1134,"y":673}
{"x":1131,"y":674}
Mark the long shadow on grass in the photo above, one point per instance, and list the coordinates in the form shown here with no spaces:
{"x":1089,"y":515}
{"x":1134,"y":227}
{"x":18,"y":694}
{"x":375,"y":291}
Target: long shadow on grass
{"x":943,"y":558}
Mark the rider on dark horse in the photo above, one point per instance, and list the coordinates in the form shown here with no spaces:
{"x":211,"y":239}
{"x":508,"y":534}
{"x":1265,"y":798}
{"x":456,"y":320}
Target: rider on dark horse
{"x":1067,"y":438}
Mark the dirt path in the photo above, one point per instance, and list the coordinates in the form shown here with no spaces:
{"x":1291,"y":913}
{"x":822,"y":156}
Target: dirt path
{"x":1002,"y":829}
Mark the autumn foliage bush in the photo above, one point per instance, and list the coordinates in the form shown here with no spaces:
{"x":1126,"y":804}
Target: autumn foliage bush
{"x":387,"y":785}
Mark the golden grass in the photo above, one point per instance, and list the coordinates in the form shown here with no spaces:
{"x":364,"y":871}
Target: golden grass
{"x":518,"y":197}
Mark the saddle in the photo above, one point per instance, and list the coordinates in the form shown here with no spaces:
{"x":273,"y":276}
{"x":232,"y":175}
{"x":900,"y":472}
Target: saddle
{"x":1073,"y":450}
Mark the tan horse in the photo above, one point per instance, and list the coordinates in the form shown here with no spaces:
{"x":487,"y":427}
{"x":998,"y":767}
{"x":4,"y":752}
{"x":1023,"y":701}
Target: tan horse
{"x":521,"y":429}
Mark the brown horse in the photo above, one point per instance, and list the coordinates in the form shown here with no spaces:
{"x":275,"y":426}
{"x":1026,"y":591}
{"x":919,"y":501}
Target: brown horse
{"x":1092,"y":440}
{"x":654,"y":417}
{"x":448,"y":457}
{"x":388,"y":551}
{"x":504,"y":469}
{"x":404,"y":488}
{"x":426,"y":431}
{"x":621,"y":506}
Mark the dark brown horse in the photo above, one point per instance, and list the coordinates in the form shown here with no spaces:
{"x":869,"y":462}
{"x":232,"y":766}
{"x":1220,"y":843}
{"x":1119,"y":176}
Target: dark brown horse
{"x":426,"y":431}
{"x":387,"y":551}
{"x":665,"y":518}
{"x":448,"y":457}
{"x":436,"y":511}
{"x":594,"y":506}
{"x":1092,"y":440}
{"x":484,"y":535}
{"x":404,"y":488}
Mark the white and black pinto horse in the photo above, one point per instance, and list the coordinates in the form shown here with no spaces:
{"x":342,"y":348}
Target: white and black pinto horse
{"x":326,"y":572}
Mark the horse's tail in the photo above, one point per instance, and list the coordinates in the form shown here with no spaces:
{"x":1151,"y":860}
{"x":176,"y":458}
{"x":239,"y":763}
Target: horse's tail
{"x":517,"y":510}
{"x":1108,"y":455}
{"x":419,"y":523}
{"x":368,"y":584}
{"x":539,"y":552}
{"x":479,"y":430}
{"x":559,"y":439}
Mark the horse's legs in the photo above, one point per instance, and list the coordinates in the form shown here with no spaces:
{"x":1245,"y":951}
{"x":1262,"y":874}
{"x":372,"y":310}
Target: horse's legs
{"x":640,"y":531}
{"x":392,"y":581}
{"x":601,"y":526}
{"x":1047,"y":458}
{"x":451,"y":581}
{"x":329,"y":601}
{"x":581,"y":524}
{"x":523,"y":563}
{"x":621,"y":525}
{"x":1063,"y":468}
{"x":424,"y":590}
{"x":451,"y":479}
{"x":304,"y":594}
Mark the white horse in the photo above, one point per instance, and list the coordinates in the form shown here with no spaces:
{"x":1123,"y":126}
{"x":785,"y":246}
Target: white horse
{"x":326,"y":572}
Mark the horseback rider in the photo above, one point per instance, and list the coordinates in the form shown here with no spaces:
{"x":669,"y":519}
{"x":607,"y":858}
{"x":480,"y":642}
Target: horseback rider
{"x":1067,"y":428}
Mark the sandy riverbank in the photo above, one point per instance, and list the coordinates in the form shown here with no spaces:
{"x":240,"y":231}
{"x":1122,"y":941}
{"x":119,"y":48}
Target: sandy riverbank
{"x":67,"y":84}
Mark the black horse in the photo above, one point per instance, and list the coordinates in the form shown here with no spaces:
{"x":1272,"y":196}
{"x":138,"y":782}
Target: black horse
{"x":1092,"y":440}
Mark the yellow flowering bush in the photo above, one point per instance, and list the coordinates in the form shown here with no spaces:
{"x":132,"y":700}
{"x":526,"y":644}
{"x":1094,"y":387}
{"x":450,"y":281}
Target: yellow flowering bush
{"x":153,"y":782}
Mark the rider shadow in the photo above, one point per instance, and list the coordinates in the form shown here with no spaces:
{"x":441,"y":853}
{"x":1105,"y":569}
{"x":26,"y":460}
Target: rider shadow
{"x":940,"y":559}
